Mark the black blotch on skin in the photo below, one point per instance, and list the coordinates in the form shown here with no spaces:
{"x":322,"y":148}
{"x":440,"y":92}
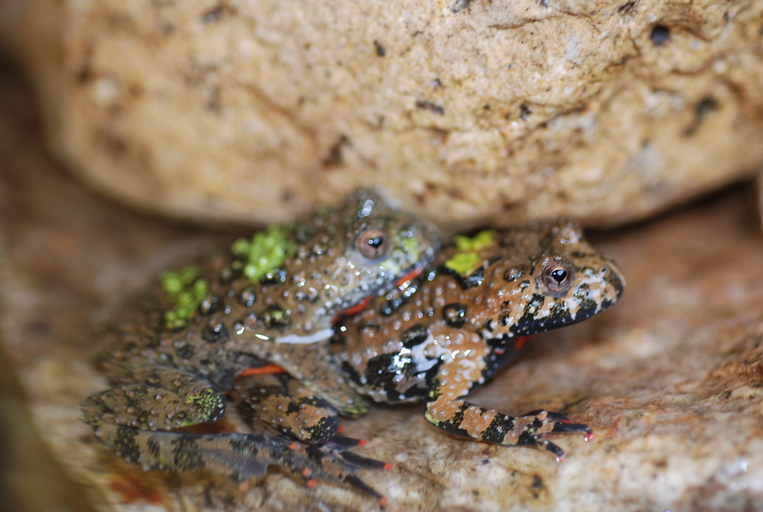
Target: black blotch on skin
{"x":416,"y":335}
{"x":187,"y":454}
{"x":660,"y":35}
{"x":125,"y":445}
{"x":275,"y":317}
{"x":276,"y":276}
{"x":210,"y":305}
{"x":497,"y":429}
{"x":153,"y":447}
{"x":215,"y":332}
{"x":186,"y":351}
{"x":248,"y":297}
{"x":454,"y":314}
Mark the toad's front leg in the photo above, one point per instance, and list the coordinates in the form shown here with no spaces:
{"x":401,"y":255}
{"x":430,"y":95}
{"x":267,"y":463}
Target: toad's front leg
{"x":447,"y":410}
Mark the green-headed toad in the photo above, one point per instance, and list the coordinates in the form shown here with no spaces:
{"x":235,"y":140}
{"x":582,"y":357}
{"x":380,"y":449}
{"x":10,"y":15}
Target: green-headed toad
{"x":174,"y":352}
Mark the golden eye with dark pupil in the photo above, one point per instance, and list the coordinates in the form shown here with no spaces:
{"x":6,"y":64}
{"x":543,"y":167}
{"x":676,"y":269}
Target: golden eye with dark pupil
{"x":557,"y":277}
{"x":372,"y":244}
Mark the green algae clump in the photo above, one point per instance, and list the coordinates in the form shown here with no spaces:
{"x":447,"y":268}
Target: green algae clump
{"x":185,"y":289}
{"x":265,"y":252}
{"x":467,"y":259}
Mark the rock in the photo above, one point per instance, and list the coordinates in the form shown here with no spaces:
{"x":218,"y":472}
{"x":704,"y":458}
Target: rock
{"x":470,"y":112}
{"x":670,"y":378}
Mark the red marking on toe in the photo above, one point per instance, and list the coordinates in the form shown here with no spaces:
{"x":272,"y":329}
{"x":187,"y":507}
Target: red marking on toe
{"x":559,"y":458}
{"x":293,"y":446}
{"x":388,"y":466}
{"x":262,"y":370}
{"x":312,"y":483}
{"x":587,"y":437}
{"x":340,"y":429}
{"x":499,"y":351}
{"x":383,"y":501}
{"x":362,"y":442}
{"x":307,"y":472}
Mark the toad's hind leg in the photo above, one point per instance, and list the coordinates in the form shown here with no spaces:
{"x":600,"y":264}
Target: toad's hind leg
{"x":278,"y":400}
{"x":155,"y":397}
{"x":234,"y":455}
{"x":447,"y":410}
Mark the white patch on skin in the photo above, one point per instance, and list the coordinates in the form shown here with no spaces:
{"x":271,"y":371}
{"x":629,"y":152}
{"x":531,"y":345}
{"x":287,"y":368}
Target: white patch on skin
{"x":295,"y":339}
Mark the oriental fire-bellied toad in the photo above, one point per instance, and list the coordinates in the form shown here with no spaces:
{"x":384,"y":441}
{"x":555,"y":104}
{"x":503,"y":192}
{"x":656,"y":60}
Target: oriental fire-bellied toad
{"x":174,"y":352}
{"x":459,"y":323}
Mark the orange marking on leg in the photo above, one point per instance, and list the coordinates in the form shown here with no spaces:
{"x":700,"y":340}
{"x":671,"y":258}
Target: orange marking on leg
{"x":357,"y":308}
{"x":293,"y":446}
{"x":262,"y":370}
{"x":312,"y":483}
{"x":410,"y":276}
{"x":307,"y":472}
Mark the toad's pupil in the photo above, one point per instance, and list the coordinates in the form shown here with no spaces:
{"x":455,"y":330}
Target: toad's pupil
{"x":375,"y":242}
{"x":559,"y":275}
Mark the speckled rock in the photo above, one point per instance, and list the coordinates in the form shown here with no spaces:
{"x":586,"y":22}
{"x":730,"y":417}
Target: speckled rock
{"x":670,"y":378}
{"x":468,"y":111}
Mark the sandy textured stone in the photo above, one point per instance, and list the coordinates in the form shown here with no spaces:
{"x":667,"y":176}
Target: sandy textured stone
{"x":469,"y":111}
{"x":671,"y":379}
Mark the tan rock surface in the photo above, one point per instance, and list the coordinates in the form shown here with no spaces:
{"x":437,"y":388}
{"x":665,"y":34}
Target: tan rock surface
{"x":469,"y":111}
{"x":670,"y":379}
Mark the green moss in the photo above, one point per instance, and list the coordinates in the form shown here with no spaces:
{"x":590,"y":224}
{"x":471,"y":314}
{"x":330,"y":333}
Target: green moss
{"x":477,"y":242}
{"x":467,"y":260}
{"x":265,"y":252}
{"x":185,"y":289}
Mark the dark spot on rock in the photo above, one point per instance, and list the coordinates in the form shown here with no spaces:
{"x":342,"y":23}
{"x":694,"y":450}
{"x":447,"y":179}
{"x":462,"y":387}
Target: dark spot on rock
{"x":432,"y":107}
{"x":213,"y":15}
{"x":627,"y":8}
{"x":334,"y":157}
{"x":214,"y":332}
{"x":460,"y":5}
{"x":660,"y":35}
{"x":380,"y":51}
{"x":703,"y":108}
{"x":537,"y":482}
{"x":85,"y":73}
{"x":416,"y":335}
{"x":454,"y":314}
{"x":524,"y":112}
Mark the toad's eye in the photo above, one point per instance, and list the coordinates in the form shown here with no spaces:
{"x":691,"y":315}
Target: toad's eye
{"x":373,"y":244}
{"x":557,"y":277}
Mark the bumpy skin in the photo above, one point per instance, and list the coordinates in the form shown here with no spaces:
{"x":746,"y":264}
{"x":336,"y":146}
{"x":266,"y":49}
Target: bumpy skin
{"x":454,"y":329}
{"x":164,"y":378}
